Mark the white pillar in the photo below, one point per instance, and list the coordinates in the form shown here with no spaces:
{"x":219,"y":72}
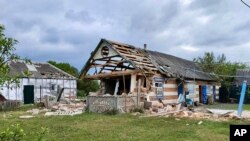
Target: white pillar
{"x":116,"y":87}
{"x":132,"y":83}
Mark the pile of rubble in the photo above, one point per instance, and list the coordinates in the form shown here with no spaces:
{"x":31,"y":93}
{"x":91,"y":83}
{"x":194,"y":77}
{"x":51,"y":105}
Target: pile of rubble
{"x":58,"y":108}
{"x":72,"y":108}
{"x":199,"y":112}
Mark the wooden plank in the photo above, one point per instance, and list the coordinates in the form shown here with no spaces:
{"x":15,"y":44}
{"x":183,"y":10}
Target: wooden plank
{"x":123,"y":47}
{"x":106,"y":58}
{"x":111,"y":74}
{"x":132,"y":56}
{"x":170,"y":81}
{"x":171,"y":97}
{"x":107,"y":64}
{"x":170,"y":90}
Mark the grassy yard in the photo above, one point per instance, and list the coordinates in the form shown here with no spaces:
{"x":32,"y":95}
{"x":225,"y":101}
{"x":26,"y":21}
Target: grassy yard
{"x":125,"y":127}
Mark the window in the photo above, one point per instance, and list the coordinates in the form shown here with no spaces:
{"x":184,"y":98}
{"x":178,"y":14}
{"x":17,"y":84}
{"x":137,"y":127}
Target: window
{"x":159,"y":90}
{"x":53,"y":87}
{"x":158,"y":84}
{"x":105,"y":51}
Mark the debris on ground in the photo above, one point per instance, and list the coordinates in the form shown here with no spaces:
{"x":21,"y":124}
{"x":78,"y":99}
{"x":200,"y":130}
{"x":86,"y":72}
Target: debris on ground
{"x":34,"y":111}
{"x":63,"y":107}
{"x":26,"y":117}
{"x":73,"y":108}
{"x":200,"y":122}
{"x":177,"y":110}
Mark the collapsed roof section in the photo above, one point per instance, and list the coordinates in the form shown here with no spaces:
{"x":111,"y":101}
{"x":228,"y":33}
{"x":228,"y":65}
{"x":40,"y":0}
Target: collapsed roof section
{"x":114,"y":58}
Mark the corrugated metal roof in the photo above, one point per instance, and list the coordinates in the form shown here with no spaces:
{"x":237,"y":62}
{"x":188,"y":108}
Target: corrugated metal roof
{"x":177,"y":66}
{"x":241,"y":73}
{"x":37,"y":70}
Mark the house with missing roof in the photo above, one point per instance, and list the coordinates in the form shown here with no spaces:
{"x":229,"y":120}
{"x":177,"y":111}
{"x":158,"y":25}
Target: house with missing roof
{"x":36,"y":81}
{"x":126,"y":69}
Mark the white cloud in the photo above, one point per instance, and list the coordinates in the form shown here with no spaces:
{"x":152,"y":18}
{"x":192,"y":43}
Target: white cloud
{"x":69,"y":30}
{"x":204,"y":19}
{"x":186,"y":2}
{"x":189,"y":48}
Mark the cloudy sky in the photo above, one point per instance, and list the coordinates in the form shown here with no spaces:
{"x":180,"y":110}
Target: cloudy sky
{"x":68,"y":30}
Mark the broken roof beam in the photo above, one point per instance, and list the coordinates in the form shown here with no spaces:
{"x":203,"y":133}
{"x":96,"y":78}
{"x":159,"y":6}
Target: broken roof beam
{"x":114,"y":66}
{"x":108,"y":63}
{"x":112,"y":74}
{"x":106,"y":58}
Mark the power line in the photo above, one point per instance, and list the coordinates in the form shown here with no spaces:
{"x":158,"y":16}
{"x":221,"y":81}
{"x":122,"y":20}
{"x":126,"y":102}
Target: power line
{"x":245,"y":3}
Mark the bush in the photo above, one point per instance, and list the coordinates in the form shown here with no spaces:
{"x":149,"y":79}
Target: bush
{"x":81,"y":93}
{"x":86,"y":86}
{"x":42,"y":133}
{"x":16,"y":133}
{"x":12,"y":133}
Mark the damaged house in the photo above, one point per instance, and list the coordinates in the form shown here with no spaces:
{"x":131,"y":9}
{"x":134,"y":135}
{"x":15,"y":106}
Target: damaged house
{"x":36,"y":81}
{"x":124,"y":69}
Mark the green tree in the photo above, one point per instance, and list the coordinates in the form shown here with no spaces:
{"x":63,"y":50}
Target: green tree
{"x":219,"y":65}
{"x":65,"y":67}
{"x":85,"y":86}
{"x":7,"y":54}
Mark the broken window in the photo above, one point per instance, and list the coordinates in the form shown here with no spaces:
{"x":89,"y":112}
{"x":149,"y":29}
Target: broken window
{"x":159,"y":90}
{"x":53,"y":87}
{"x":159,"y":87}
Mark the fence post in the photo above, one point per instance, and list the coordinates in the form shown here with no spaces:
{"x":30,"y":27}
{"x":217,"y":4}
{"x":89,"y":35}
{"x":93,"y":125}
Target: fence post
{"x":242,"y":97}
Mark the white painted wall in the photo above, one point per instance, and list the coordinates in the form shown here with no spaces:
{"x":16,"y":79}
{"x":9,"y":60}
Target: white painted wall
{"x":14,"y":92}
{"x":98,"y":54}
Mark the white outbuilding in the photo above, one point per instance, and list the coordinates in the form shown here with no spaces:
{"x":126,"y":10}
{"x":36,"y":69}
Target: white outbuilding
{"x":37,"y":80}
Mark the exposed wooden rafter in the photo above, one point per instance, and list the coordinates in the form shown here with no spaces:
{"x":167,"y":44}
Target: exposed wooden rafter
{"x":111,"y":74}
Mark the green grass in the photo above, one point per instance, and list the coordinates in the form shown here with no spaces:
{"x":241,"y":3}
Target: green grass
{"x":99,"y":127}
{"x":227,"y":106}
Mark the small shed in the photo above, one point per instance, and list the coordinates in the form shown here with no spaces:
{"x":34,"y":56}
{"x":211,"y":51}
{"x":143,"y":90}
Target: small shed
{"x":37,"y":80}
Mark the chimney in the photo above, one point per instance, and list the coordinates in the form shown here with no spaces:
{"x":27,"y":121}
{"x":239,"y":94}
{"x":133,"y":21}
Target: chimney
{"x":145,"y":46}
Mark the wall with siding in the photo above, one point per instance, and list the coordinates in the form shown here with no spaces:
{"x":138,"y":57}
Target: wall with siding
{"x":14,"y":92}
{"x":171,"y":90}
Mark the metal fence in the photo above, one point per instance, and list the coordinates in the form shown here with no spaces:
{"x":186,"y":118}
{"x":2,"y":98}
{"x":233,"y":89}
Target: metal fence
{"x":9,"y":105}
{"x":100,"y":104}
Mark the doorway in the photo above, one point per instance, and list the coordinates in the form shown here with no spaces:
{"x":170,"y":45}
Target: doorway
{"x":28,"y":94}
